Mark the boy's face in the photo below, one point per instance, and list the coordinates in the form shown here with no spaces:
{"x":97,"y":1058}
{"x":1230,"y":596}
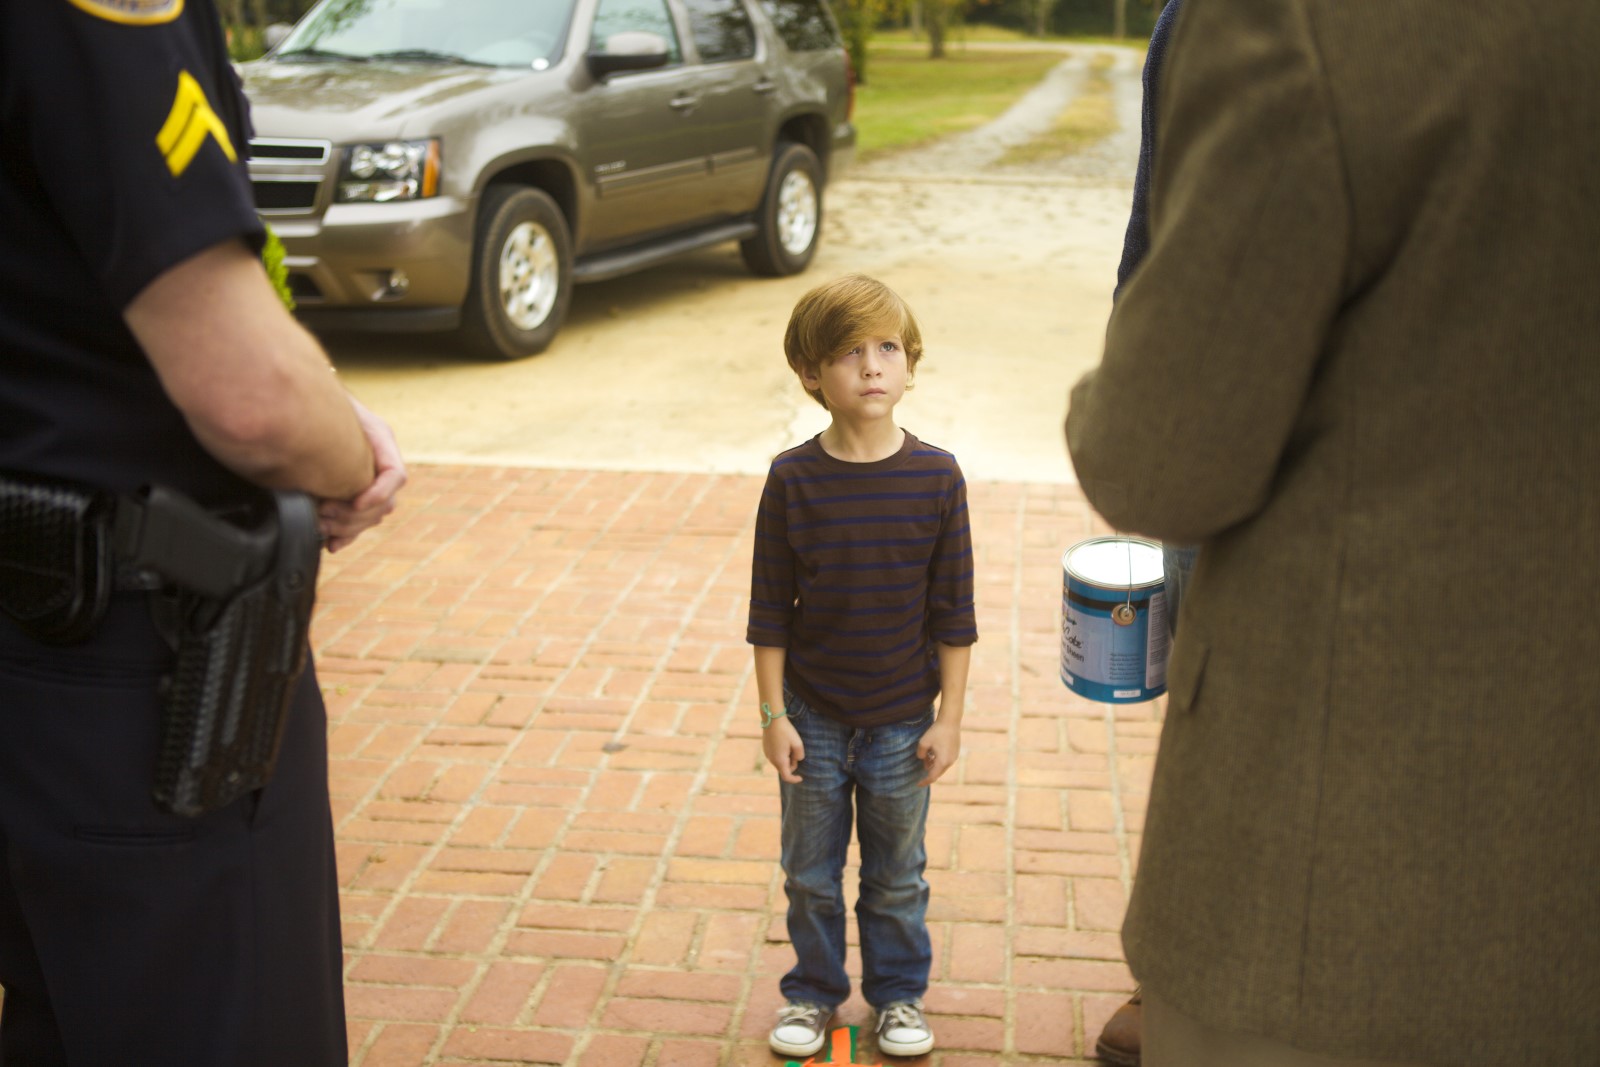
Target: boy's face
{"x":866,"y":382}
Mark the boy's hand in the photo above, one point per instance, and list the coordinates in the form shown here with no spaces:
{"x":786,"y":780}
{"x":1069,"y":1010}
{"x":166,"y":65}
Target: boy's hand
{"x":939,"y":749}
{"x":783,"y":748}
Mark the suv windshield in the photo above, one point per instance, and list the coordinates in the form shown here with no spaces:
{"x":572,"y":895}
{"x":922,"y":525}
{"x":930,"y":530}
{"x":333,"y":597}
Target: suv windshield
{"x":500,"y":33}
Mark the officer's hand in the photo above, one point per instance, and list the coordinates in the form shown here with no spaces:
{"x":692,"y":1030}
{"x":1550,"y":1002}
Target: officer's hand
{"x":342,"y":521}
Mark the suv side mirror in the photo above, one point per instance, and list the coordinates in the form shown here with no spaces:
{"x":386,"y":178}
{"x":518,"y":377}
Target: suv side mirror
{"x":634,"y":50}
{"x":274,"y":34}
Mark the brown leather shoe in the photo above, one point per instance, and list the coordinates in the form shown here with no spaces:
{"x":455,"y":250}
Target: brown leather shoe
{"x":1119,"y":1041}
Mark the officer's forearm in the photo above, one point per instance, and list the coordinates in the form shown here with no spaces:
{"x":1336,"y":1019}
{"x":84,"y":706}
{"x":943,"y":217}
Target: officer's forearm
{"x":255,"y":387}
{"x":291,"y":429}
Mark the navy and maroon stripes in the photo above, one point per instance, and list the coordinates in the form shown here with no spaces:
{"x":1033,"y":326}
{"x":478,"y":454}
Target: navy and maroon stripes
{"x":859,"y":568}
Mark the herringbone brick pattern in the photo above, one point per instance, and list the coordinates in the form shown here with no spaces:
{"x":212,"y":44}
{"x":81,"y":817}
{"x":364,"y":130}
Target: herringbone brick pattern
{"x":557,"y":834}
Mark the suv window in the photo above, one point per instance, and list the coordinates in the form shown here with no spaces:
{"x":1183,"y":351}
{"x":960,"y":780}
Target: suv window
{"x":803,"y":24}
{"x":721,"y":29}
{"x":506,"y":33}
{"x":634,"y":16}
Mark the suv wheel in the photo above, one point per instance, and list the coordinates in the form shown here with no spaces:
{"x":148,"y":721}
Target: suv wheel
{"x":790,"y":216}
{"x":521,"y":274}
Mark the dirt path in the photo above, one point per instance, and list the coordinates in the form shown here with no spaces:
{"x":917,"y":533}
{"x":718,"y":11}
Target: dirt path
{"x":981,"y":150}
{"x":1010,"y":271}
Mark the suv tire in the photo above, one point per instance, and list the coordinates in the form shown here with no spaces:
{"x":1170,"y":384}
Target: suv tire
{"x":521,"y":274}
{"x":790,"y":216}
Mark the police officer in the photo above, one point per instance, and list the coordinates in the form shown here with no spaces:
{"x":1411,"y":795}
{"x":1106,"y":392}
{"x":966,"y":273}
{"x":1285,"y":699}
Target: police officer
{"x":141,"y":342}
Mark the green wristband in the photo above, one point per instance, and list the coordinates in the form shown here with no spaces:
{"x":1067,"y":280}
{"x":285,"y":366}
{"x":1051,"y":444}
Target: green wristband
{"x":767,"y":717}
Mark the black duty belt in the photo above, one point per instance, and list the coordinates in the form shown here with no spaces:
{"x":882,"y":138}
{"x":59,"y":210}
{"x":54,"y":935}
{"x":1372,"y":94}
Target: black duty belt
{"x":232,"y":592}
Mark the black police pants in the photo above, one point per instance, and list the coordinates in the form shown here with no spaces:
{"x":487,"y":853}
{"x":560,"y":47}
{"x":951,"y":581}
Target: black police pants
{"x":129,"y":937}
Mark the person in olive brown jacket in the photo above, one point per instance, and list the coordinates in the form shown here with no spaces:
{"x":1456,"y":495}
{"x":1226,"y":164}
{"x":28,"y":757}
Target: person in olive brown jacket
{"x":1359,"y":368}
{"x":1119,"y":1043}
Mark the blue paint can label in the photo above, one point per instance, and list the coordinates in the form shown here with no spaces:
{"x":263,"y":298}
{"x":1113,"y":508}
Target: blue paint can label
{"x":1114,"y":620}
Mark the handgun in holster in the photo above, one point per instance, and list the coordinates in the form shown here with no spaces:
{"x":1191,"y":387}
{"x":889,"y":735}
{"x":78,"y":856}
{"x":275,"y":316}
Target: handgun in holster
{"x":237,"y":609}
{"x":232,"y":593}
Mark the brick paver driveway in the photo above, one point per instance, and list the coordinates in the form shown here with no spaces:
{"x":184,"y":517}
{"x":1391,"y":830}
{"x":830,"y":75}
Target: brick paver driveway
{"x":557,"y":835}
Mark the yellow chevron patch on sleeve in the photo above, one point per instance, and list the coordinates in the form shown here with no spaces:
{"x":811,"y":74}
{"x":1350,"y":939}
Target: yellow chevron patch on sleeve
{"x":188,"y":124}
{"x":132,"y":12}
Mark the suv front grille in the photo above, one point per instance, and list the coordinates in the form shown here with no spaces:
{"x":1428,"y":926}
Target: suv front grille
{"x":286,"y":150}
{"x":287,"y":174}
{"x":285,"y":194}
{"x":304,"y":289}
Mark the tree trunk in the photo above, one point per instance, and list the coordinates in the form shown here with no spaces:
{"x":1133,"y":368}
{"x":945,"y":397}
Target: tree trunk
{"x":855,"y":19}
{"x":935,"y":17}
{"x":1119,"y":22}
{"x":915,"y":17}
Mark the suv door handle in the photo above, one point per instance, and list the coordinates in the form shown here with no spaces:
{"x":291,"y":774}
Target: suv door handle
{"x":683,"y":102}
{"x":765,"y":85}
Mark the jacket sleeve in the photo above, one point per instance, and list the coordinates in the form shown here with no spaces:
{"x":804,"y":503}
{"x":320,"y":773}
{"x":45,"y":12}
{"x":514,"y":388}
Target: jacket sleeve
{"x":772,"y":577}
{"x":1213,"y":345}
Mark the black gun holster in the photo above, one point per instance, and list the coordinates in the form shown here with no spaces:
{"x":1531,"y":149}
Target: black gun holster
{"x":231,"y":592}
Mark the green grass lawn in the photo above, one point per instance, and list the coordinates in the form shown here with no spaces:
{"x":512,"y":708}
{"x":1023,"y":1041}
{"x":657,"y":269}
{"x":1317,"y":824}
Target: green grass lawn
{"x":978,"y":31}
{"x":910,"y":99}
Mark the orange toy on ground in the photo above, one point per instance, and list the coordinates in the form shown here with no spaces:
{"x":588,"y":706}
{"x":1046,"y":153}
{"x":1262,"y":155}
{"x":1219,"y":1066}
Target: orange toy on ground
{"x":841,"y":1052}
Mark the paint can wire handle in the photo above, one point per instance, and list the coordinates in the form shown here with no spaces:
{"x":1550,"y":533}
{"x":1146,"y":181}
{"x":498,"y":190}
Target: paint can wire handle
{"x":1125,"y":614}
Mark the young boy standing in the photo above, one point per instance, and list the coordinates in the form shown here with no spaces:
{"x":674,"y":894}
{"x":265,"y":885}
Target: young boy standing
{"x":861,"y":611}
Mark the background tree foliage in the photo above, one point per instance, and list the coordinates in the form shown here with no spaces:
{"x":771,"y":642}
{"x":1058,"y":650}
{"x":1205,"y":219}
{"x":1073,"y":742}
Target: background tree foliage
{"x":857,"y":19}
{"x":1070,"y":18}
{"x":258,"y":13}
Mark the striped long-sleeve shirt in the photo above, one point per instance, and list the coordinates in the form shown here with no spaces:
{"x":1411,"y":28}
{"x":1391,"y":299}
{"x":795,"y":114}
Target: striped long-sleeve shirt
{"x":859,"y":569}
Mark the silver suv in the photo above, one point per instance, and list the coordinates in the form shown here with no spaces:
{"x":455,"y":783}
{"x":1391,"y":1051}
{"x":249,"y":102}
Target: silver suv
{"x":460,"y":164}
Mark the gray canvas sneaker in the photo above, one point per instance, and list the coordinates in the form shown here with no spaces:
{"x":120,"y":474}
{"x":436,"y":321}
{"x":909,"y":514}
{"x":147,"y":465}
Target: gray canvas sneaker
{"x":801,"y":1029}
{"x":902,"y":1031}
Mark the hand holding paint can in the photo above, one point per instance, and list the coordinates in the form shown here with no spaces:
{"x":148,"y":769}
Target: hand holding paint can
{"x":1114,"y":639}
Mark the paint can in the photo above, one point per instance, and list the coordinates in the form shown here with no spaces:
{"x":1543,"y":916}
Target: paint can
{"x":1114,"y":620}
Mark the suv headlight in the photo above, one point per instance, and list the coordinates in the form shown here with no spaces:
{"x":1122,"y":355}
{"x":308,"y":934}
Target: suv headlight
{"x":397,"y":170}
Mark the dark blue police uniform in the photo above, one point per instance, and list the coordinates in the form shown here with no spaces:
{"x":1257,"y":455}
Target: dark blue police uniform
{"x":129,"y":936}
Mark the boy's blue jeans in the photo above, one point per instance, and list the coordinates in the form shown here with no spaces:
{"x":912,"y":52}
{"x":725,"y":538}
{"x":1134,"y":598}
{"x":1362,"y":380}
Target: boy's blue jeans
{"x":876,"y":768}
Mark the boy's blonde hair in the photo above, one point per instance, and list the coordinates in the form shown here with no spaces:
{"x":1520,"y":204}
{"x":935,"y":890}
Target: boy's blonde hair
{"x":830,"y":319}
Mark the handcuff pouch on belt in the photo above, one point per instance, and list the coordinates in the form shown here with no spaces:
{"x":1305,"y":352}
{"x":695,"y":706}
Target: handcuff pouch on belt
{"x":232,"y":593}
{"x":55,"y":558}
